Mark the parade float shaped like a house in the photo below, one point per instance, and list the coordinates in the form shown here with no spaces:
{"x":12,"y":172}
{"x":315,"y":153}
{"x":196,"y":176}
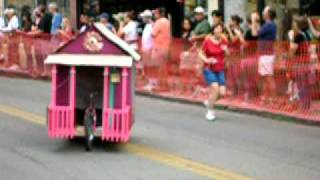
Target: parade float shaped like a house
{"x":99,"y":62}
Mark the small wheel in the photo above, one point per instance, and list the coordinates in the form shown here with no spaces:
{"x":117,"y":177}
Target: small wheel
{"x":89,"y":133}
{"x":89,"y":143}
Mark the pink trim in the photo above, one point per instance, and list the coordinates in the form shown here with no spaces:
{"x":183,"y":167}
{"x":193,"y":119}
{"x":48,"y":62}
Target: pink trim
{"x":119,"y":130}
{"x":124,"y":87}
{"x":124,"y":99}
{"x":72,"y":100}
{"x":105,"y":101}
{"x":61,"y":119}
{"x":59,"y":122}
{"x":53,"y":100}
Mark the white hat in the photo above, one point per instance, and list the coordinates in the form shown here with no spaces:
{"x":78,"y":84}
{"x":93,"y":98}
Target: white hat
{"x":9,"y":11}
{"x":53,"y":5}
{"x":146,"y":13}
{"x":199,"y":10}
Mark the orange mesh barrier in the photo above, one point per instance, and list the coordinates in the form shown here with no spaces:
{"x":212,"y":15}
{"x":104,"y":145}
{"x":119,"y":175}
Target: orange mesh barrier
{"x":23,"y":54}
{"x":260,"y":76}
{"x":288,"y":85}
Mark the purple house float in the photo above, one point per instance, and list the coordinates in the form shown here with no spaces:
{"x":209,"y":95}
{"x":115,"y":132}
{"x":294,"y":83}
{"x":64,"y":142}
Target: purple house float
{"x":95,"y":70}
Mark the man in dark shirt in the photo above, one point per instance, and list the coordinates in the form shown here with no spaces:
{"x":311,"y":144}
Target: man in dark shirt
{"x":46,"y":20}
{"x":268,"y":32}
{"x":267,"y":36}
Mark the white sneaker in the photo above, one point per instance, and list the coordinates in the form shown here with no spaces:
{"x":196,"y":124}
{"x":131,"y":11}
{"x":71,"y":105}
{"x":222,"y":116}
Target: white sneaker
{"x":148,"y":87}
{"x":210,"y":115}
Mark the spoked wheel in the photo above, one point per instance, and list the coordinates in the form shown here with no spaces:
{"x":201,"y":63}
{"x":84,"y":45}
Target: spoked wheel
{"x":89,"y":132}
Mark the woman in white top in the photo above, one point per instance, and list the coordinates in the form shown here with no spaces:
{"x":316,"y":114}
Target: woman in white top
{"x":129,"y":31}
{"x":146,"y":41}
{"x":146,"y":48}
{"x":13,"y":21}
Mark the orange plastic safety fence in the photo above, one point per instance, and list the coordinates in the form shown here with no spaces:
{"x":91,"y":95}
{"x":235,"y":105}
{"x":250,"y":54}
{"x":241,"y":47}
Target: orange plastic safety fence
{"x":23,"y":54}
{"x":260,"y":76}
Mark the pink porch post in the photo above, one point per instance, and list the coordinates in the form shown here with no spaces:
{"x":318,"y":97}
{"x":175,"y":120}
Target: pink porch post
{"x":124,"y":118}
{"x":105,"y":103}
{"x":53,"y":100}
{"x":72,"y":100}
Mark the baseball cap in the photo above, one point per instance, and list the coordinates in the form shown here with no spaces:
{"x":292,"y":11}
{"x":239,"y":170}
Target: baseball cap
{"x":104,"y":15}
{"x":199,"y":10}
{"x":146,"y":13}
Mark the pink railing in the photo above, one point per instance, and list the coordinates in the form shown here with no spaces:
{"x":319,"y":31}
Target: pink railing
{"x":60,"y":122}
{"x":116,"y":125}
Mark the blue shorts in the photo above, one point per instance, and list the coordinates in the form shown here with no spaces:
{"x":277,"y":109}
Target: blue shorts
{"x":214,"y":77}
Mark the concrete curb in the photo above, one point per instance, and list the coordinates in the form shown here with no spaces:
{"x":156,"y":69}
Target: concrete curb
{"x":262,"y":113}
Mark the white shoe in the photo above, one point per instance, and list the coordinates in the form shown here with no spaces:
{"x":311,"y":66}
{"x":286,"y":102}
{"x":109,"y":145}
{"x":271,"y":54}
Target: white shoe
{"x":148,"y":87}
{"x":210,"y":115}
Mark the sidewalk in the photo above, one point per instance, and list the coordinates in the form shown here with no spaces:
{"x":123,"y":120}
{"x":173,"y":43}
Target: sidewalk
{"x":238,"y":106}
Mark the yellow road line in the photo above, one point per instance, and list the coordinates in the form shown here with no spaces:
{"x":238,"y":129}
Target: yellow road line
{"x":143,"y":151}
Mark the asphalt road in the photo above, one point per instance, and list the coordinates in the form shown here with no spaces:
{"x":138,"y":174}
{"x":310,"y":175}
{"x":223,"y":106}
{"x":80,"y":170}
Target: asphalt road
{"x":251,"y":146}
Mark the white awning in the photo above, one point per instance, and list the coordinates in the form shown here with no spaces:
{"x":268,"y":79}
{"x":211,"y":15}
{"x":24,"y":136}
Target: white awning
{"x":90,"y":60}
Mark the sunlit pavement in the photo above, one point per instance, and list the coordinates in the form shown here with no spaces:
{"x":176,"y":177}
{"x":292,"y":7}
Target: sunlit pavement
{"x":170,"y":141}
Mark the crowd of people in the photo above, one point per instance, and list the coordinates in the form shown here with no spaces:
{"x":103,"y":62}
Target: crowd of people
{"x":43,"y":19}
{"x":220,"y":39}
{"x":212,"y":41}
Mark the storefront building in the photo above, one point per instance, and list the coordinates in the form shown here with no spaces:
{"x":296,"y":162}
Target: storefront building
{"x":177,"y":9}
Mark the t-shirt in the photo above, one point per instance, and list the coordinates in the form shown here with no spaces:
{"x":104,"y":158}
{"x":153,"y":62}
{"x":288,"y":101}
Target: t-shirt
{"x":214,"y":50}
{"x":302,"y":41}
{"x":45,"y":23}
{"x":13,"y":24}
{"x":161,"y":34}
{"x":2,"y":23}
{"x":249,"y":37}
{"x":131,"y":34}
{"x":267,"y":36}
{"x":147,"y":37}
{"x":202,"y":28}
{"x":56,"y":23}
{"x":268,"y":31}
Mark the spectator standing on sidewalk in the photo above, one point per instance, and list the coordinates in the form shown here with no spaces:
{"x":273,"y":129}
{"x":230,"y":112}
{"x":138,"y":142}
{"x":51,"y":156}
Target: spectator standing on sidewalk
{"x":85,"y":22}
{"x":216,"y":17}
{"x":146,"y":44}
{"x":45,"y":23}
{"x":202,"y":28}
{"x":212,"y":54}
{"x":56,"y":18}
{"x":249,"y":64}
{"x":26,"y":19}
{"x":253,"y":25}
{"x":299,"y":64}
{"x":161,"y":34}
{"x":13,"y":21}
{"x":128,"y":30}
{"x":267,"y":36}
{"x":104,"y":19}
{"x":66,"y":31}
{"x":187,"y":29}
{"x":234,"y":72}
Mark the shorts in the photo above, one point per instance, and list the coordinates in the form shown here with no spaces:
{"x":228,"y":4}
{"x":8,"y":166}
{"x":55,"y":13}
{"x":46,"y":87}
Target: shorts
{"x":214,"y":77}
{"x":266,"y":65}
